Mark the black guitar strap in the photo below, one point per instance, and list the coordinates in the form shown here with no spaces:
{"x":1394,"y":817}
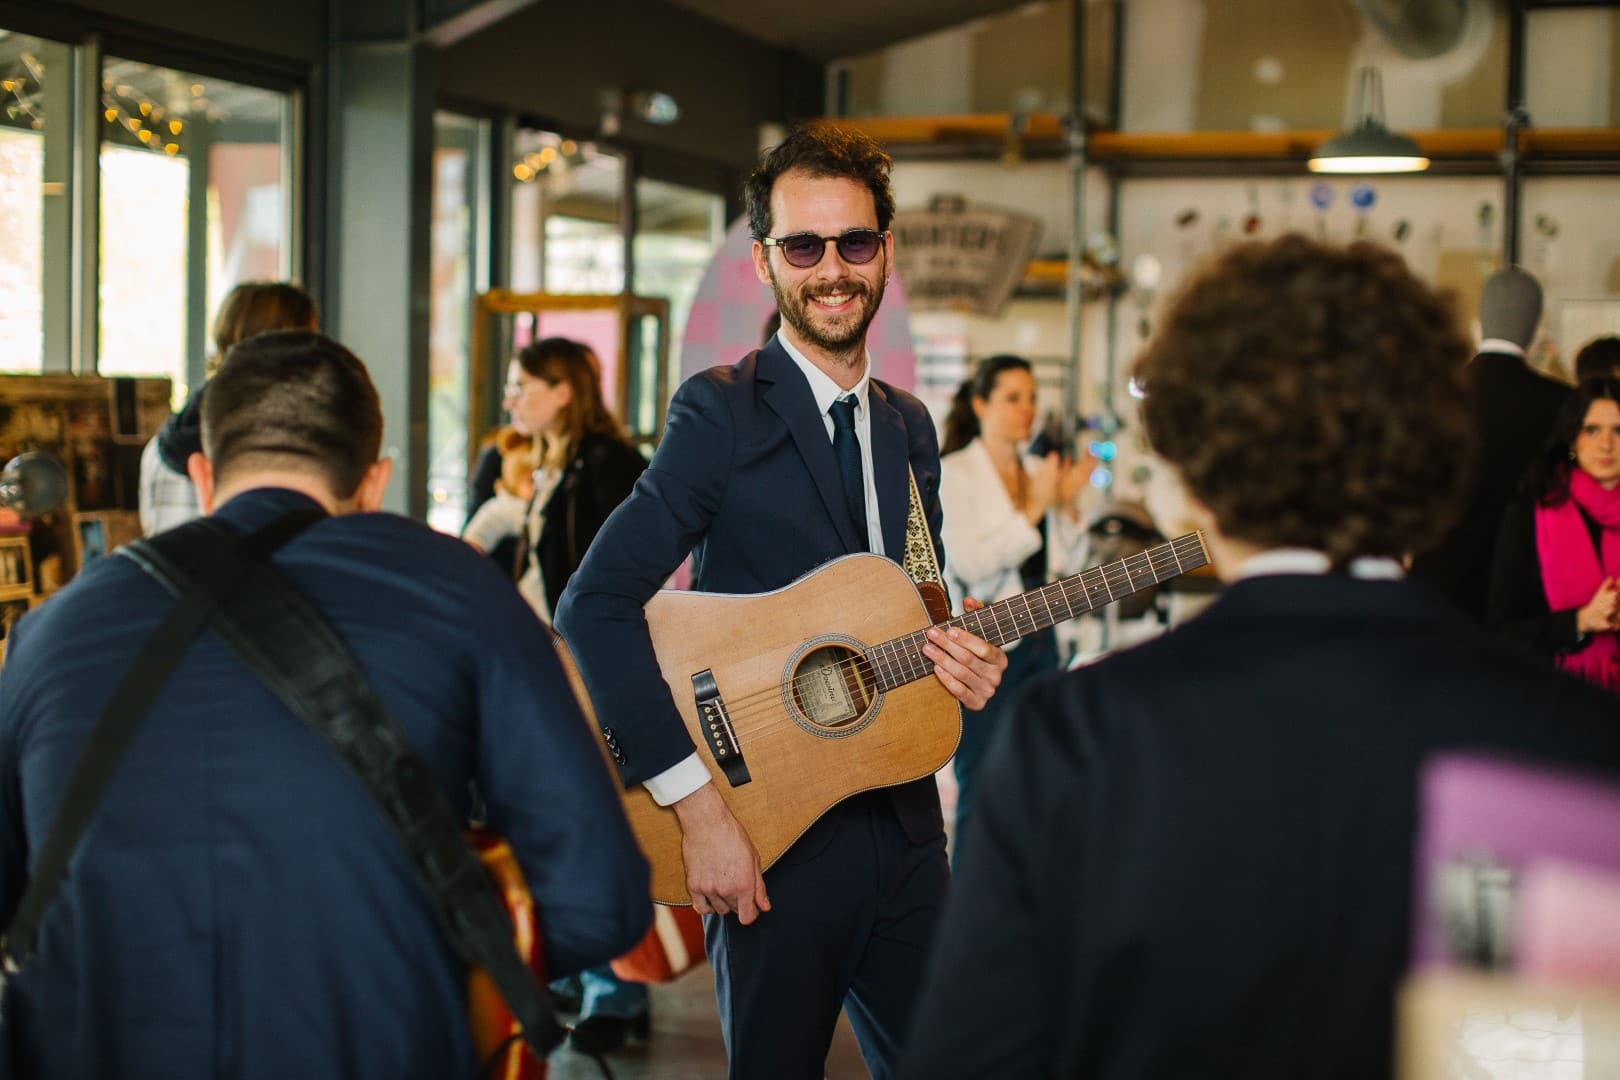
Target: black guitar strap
{"x":291,"y":646}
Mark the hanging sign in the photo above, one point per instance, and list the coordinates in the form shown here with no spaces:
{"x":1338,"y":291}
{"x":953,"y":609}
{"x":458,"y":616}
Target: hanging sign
{"x":957,"y":257}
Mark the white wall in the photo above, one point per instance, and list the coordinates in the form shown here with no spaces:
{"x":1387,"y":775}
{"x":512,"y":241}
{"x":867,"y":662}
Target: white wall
{"x":1445,"y":240}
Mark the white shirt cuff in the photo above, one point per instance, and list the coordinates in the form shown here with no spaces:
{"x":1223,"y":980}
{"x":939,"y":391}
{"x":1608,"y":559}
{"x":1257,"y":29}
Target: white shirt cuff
{"x":678,"y":781}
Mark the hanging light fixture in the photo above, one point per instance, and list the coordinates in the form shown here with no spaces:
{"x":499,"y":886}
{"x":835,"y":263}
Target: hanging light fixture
{"x":1370,"y":147}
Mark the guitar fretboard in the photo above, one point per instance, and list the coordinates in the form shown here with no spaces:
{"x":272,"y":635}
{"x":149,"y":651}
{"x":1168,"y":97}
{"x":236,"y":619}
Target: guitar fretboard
{"x":900,"y":660}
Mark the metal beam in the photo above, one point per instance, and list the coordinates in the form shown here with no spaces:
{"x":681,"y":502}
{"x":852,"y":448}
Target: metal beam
{"x":451,"y":21}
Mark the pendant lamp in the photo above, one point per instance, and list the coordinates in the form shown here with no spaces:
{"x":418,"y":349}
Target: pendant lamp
{"x":1370,"y":147}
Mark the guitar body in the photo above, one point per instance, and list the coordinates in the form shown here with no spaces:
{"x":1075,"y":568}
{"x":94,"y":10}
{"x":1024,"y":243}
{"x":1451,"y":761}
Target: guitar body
{"x":795,"y":702}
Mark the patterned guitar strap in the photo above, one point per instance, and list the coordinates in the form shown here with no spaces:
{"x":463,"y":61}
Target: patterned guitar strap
{"x":921,"y":562}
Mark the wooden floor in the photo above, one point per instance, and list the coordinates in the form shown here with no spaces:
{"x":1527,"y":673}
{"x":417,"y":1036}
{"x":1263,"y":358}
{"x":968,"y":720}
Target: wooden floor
{"x":686,"y":1043}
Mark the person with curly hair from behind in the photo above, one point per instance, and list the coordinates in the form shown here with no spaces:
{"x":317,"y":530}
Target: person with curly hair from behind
{"x":1194,"y":858}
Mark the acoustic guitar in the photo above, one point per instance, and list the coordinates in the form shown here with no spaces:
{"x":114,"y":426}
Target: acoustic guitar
{"x":799,"y":698}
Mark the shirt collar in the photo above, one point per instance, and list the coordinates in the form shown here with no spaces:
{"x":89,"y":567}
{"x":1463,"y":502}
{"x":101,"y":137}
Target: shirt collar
{"x":822,"y":387}
{"x":1309,"y":561}
{"x":1501,"y":345}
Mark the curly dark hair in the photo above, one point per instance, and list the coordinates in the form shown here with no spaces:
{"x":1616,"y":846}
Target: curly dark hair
{"x":820,"y":150}
{"x":962,"y":423}
{"x":1548,"y":479}
{"x":1312,"y":396}
{"x":1600,"y":356}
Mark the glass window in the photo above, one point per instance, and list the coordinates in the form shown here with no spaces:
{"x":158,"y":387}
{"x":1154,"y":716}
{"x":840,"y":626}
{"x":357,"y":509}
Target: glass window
{"x":35,"y":148}
{"x":965,"y":68}
{"x":1569,"y":67}
{"x":1274,"y":65}
{"x":193,"y":201}
{"x":566,"y":232}
{"x":454,"y":277}
{"x":678,"y":230}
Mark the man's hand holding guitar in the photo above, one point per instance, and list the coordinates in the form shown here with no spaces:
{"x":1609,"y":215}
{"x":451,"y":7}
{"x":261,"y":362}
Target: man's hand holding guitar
{"x":722,"y":867}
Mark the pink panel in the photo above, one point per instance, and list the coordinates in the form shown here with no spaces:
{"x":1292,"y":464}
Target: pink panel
{"x":732,"y":306}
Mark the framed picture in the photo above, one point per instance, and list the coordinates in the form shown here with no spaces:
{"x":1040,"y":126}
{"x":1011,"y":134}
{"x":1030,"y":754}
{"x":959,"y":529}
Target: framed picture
{"x":16,"y":567}
{"x":97,"y":533}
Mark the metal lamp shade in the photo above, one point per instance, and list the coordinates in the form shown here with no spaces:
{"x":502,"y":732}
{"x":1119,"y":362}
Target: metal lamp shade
{"x":1371,"y":148}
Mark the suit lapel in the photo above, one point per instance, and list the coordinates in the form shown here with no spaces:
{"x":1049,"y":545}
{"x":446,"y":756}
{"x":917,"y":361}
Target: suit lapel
{"x":788,"y":395}
{"x":890,"y":461}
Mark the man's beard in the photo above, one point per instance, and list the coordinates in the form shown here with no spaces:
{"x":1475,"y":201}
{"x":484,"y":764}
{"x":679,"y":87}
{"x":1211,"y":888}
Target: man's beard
{"x":843,"y":335}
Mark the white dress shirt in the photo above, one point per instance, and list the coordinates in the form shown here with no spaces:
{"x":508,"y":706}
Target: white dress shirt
{"x":687,"y":775}
{"x":987,"y":538}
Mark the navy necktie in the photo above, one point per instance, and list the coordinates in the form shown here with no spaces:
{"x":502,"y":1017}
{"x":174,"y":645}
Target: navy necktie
{"x":847,"y":448}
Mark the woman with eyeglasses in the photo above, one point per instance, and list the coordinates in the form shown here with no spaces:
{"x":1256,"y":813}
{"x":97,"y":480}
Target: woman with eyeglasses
{"x":586,"y":467}
{"x":1011,"y":521}
{"x":1555,"y":583}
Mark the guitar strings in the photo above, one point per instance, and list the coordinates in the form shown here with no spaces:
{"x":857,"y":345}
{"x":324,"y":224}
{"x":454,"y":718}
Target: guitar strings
{"x":747,"y":712}
{"x":768,"y":703}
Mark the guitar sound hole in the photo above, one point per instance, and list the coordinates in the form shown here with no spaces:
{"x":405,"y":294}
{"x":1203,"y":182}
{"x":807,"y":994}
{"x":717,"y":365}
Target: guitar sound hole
{"x":833,"y":687}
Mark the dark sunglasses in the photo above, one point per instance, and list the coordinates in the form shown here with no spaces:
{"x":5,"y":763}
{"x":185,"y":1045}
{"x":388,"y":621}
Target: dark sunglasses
{"x":856,"y":247}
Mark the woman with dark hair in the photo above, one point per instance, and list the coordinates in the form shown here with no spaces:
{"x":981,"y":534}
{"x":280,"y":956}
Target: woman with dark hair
{"x":586,"y":467}
{"x":1553,"y":583}
{"x":167,"y":497}
{"x":1011,"y":523}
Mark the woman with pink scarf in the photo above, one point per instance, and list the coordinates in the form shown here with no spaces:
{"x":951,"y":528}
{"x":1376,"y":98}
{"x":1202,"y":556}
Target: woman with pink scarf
{"x":1555,"y":584}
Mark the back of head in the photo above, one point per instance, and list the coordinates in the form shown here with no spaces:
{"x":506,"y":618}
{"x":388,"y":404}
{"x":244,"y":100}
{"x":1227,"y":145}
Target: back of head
{"x":255,"y":307}
{"x":1510,"y":306}
{"x":292,"y":400}
{"x":1598,"y":358}
{"x":820,"y":150}
{"x":1312,"y":396}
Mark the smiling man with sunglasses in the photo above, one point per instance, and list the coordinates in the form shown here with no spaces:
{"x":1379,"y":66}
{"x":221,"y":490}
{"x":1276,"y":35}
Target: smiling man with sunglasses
{"x":768,"y":468}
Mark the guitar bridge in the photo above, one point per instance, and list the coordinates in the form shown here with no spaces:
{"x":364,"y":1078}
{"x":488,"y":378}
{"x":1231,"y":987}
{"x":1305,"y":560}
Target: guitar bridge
{"x":720,"y":736}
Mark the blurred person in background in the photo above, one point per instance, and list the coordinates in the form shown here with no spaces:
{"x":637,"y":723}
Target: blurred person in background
{"x":1513,"y":407}
{"x":1011,"y":525}
{"x":1555,"y":584}
{"x":167,"y":497}
{"x":1195,"y":858}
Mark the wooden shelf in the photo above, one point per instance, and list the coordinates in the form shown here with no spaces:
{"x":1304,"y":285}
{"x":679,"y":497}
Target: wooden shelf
{"x":1037,"y":135}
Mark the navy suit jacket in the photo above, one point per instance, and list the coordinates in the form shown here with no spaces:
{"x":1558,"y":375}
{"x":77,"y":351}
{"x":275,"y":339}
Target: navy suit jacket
{"x":744,"y":479}
{"x":238,"y":906}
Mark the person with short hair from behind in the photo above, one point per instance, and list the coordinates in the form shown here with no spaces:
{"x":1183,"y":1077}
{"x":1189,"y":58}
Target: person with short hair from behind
{"x":1514,"y":407}
{"x":1195,"y":858}
{"x":1555,"y":585}
{"x":240,"y":906}
{"x":1598,"y":358}
{"x":167,"y":497}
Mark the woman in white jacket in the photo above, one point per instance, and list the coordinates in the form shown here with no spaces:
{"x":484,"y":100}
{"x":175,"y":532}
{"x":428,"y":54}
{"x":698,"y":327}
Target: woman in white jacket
{"x":1011,"y":524}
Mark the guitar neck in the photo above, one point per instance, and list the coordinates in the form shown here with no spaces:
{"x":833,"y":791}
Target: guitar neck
{"x":900,"y":660}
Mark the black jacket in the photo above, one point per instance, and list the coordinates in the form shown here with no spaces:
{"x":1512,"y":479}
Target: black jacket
{"x":594,"y":482}
{"x":1194,"y":860}
{"x":1514,"y":411}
